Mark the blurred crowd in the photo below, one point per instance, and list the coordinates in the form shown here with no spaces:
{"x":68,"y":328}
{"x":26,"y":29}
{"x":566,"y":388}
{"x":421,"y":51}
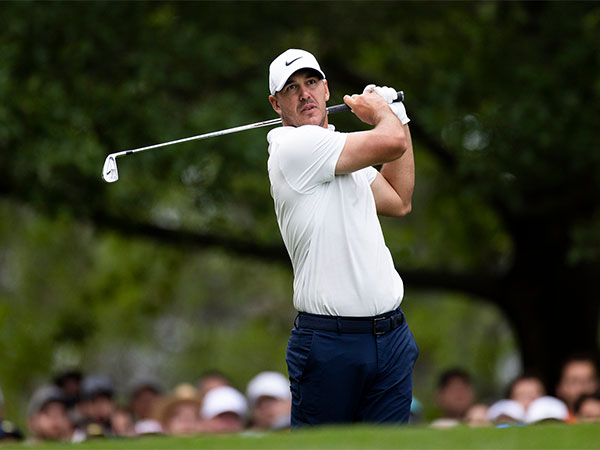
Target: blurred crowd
{"x":76,"y":407}
{"x":575,"y":398}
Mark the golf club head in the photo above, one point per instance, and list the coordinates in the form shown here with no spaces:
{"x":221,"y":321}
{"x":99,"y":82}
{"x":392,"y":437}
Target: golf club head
{"x":110,"y":174}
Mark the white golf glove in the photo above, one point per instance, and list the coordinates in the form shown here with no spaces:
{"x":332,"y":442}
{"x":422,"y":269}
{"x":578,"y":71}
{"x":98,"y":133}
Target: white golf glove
{"x":389,"y":95}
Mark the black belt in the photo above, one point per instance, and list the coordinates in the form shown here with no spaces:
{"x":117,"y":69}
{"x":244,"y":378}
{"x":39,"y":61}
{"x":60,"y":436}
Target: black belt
{"x":375,"y":325}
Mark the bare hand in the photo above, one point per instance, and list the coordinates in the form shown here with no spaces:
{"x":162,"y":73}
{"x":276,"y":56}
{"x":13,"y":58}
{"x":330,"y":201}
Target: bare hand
{"x":368,"y":107}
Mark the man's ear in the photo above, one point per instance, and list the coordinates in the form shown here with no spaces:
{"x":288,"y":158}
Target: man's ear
{"x":275,"y":104}
{"x":326,"y":90}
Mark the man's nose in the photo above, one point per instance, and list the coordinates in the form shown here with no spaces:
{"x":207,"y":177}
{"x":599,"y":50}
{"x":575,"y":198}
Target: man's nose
{"x":304,"y":93}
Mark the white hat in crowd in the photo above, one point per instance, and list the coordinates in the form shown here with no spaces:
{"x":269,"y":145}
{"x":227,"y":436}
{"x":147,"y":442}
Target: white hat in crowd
{"x":223,"y":399}
{"x":287,"y":63}
{"x":269,"y":384}
{"x":506,"y":410}
{"x":546,"y":408}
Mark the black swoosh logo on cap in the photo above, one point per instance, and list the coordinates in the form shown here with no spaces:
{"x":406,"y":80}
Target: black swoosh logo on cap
{"x":287,"y":63}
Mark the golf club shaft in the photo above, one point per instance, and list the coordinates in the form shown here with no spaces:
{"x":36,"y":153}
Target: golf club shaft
{"x":266,"y":123}
{"x":110,"y":172}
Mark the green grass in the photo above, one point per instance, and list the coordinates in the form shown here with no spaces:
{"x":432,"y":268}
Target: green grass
{"x":363,"y":437}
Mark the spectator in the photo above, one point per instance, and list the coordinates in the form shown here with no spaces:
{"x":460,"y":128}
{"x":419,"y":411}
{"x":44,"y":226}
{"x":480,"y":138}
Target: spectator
{"x":144,"y":393}
{"x":505,"y":412}
{"x":224,"y":410}
{"x":69,"y":382}
{"x":476,"y":415}
{"x":455,"y":394}
{"x":8,"y":430}
{"x":97,"y":406}
{"x":546,"y":409}
{"x":525,"y":389}
{"x":47,"y":416}
{"x":579,"y":376}
{"x":179,"y":413}
{"x":270,"y":401}
{"x":121,"y":423}
{"x":210,"y":380}
{"x":587,"y":408}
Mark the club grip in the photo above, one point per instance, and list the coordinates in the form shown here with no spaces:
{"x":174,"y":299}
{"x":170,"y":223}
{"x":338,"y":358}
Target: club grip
{"x":344,"y":107}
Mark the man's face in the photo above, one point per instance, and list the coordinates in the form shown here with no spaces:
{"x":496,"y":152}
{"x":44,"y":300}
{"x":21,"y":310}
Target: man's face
{"x":589,"y":411}
{"x":51,"y":423}
{"x":303,"y":100}
{"x":269,"y":411}
{"x":98,"y":409}
{"x":227,"y":422}
{"x":456,"y":397}
{"x":143,"y":403}
{"x":578,"y":377}
{"x":527,"y":390}
{"x":183,"y":419}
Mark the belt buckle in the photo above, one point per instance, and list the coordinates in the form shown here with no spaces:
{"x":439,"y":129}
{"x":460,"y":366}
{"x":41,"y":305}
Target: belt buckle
{"x":375,"y":332}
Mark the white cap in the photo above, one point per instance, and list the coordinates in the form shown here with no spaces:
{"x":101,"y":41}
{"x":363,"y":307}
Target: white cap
{"x":286,"y":64}
{"x":223,"y":399}
{"x":545,"y":408}
{"x":507,"y":409}
{"x":271,"y":384}
{"x":147,"y":426}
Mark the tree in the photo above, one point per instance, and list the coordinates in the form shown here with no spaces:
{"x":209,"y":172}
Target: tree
{"x":504,"y":109}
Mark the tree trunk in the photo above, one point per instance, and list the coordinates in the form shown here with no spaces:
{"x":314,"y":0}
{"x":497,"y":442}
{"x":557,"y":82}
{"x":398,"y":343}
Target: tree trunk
{"x":553,"y":306}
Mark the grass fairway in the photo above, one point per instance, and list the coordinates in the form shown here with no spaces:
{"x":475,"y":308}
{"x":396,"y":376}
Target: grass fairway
{"x":363,"y":437}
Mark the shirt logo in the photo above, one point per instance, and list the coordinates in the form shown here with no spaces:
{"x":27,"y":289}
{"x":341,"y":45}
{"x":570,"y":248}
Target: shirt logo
{"x":287,"y":63}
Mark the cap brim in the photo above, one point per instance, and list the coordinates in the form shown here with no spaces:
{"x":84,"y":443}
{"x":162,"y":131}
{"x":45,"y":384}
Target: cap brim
{"x":291,"y":70}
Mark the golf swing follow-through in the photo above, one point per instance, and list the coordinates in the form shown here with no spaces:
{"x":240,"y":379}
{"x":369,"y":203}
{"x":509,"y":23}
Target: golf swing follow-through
{"x":110,"y":172}
{"x":350,"y":355}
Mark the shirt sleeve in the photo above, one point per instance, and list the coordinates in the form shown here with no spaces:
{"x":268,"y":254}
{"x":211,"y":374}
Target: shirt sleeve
{"x":371,"y":173}
{"x":308,"y":155}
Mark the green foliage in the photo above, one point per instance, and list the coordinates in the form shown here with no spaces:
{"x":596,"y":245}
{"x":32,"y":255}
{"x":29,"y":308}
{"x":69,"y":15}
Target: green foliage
{"x":504,"y":100}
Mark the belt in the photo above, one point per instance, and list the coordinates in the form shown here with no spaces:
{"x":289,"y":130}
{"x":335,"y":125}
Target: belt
{"x":376,"y":325}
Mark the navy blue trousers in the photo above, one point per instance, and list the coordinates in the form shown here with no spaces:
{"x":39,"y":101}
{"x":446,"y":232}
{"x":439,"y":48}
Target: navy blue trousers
{"x":338,"y":377}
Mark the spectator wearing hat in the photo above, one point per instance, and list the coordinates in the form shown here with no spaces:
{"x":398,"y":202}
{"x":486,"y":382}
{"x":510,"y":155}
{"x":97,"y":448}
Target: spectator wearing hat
{"x":546,"y":409}
{"x":97,"y":406}
{"x":587,"y":408}
{"x":270,"y":401}
{"x":8,"y":430}
{"x":579,"y":376}
{"x":47,"y":417}
{"x":224,"y":410}
{"x":210,"y":380}
{"x":506,"y":412}
{"x":143,"y":395}
{"x":525,"y":389}
{"x":178,"y":413}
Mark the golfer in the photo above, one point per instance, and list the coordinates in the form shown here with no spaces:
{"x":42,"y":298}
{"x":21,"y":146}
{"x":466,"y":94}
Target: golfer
{"x":351,"y":354}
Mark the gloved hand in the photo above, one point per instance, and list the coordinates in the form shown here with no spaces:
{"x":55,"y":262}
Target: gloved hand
{"x":389,"y":95}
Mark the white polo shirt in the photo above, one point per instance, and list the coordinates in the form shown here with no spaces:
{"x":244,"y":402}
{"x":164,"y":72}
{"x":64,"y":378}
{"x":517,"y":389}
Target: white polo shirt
{"x":330,"y":227}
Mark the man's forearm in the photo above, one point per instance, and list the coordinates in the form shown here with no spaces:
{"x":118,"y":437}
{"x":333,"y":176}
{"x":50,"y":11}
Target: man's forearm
{"x":400,"y":173}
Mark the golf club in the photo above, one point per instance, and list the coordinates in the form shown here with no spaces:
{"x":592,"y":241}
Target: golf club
{"x":110,"y":173}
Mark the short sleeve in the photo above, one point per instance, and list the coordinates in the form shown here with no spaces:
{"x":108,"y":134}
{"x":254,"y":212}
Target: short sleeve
{"x":371,"y":173}
{"x":307,"y":155}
